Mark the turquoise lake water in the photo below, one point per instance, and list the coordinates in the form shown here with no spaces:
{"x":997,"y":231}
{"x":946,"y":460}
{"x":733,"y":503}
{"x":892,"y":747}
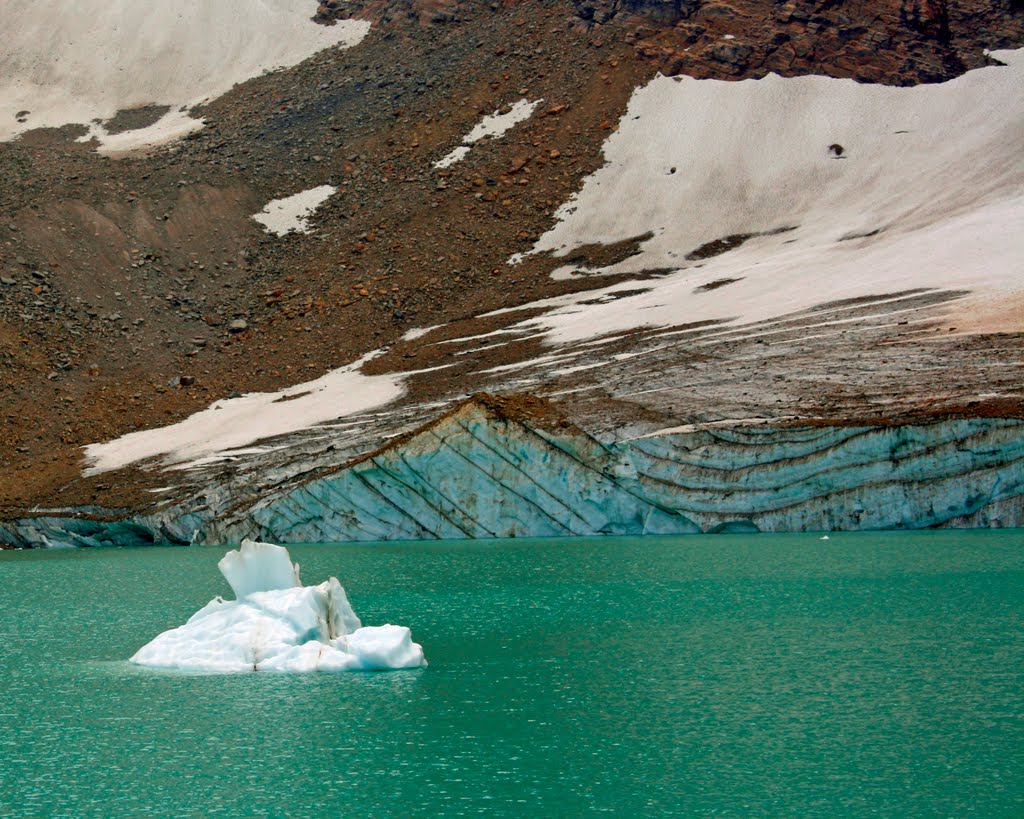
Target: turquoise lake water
{"x":768,"y":675}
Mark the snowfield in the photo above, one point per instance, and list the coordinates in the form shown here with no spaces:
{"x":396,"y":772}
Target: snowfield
{"x":82,"y":61}
{"x":825,"y":189}
{"x":232,"y":423}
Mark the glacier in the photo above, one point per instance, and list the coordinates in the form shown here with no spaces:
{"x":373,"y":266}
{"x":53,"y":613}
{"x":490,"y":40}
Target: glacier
{"x":829,"y":262}
{"x":479,"y":473}
{"x":484,"y":471}
{"x":277,"y":624}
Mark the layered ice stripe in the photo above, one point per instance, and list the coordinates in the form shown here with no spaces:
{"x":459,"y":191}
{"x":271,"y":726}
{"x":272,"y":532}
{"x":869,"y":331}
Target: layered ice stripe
{"x":474,"y":475}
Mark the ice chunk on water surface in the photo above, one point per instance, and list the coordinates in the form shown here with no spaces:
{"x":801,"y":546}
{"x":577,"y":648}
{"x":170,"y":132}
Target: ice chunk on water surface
{"x":277,"y":624}
{"x":258,"y":567}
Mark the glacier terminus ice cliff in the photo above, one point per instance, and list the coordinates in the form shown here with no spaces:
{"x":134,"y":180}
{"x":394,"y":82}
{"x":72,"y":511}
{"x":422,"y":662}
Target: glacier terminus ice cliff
{"x":277,"y":624}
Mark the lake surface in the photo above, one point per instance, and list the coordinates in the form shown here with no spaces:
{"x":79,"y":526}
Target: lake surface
{"x":730,"y":675}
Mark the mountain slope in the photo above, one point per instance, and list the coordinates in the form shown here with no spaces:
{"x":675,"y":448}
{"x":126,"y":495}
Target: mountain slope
{"x":138,"y":290}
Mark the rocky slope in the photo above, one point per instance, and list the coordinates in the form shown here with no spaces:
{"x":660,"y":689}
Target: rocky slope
{"x":137,"y":290}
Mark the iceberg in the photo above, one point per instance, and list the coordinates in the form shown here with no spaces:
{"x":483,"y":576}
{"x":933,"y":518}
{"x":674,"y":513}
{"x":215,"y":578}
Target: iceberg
{"x":277,"y":624}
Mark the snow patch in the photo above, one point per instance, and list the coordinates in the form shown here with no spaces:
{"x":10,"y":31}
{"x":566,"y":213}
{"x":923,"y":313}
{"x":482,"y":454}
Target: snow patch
{"x":419,"y":332}
{"x":456,"y":155}
{"x":237,"y":422}
{"x":276,"y":624}
{"x":772,"y":196}
{"x":171,"y":126}
{"x":291,"y":214}
{"x":494,"y":125}
{"x":82,"y":61}
{"x":497,"y":124}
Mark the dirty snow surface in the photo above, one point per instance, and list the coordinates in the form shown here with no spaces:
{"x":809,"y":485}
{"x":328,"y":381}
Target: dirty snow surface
{"x":231,"y":424}
{"x":76,"y":61}
{"x":766,"y":197}
{"x":291,"y":214}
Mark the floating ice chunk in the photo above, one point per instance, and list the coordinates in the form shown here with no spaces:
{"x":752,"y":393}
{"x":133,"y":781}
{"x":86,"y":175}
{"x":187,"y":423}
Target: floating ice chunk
{"x":311,"y":656}
{"x":381,"y":647}
{"x":340,"y":617}
{"x":278,"y":625}
{"x":257,"y":567}
{"x":373,"y":648}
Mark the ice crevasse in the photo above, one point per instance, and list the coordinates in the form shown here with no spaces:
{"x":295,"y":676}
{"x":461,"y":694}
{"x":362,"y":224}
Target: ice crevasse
{"x":277,"y":624}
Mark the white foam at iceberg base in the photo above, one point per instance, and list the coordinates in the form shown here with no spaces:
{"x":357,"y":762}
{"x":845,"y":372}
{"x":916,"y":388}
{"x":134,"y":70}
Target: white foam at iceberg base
{"x":277,"y":624}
